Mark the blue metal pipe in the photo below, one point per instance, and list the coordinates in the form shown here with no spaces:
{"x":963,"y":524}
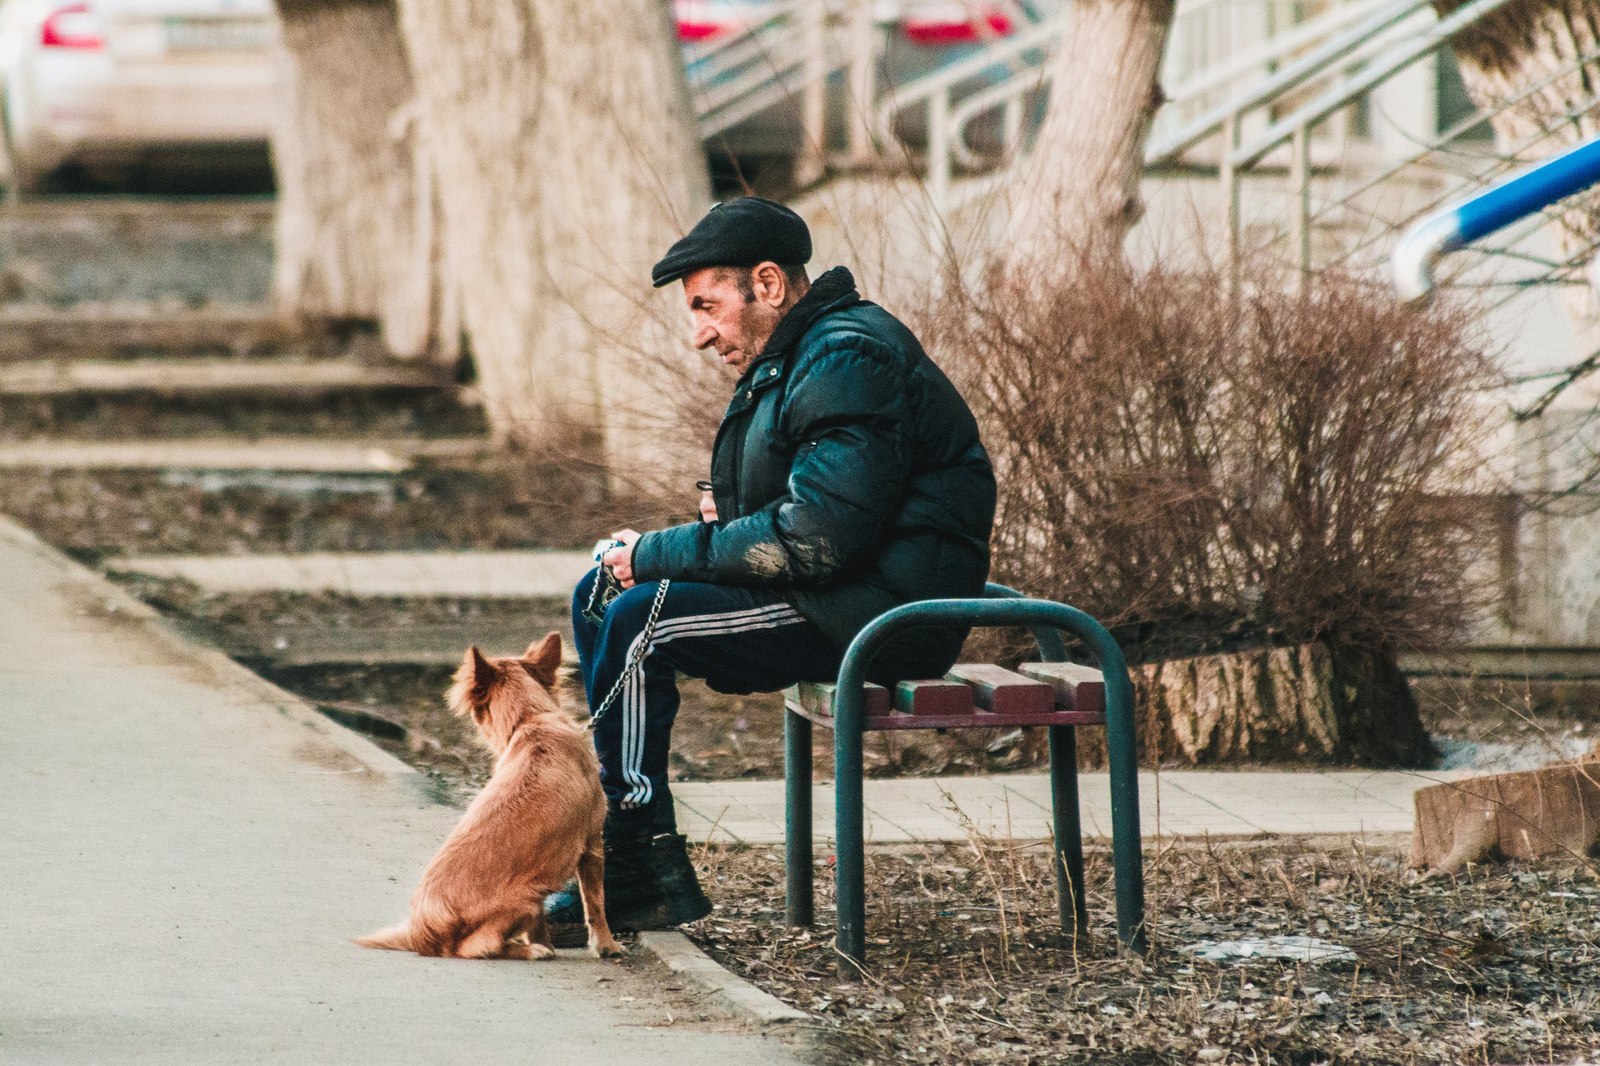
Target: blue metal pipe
{"x":1495,"y":208}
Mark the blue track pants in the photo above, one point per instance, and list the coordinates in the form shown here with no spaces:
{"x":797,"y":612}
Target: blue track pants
{"x":738,"y":639}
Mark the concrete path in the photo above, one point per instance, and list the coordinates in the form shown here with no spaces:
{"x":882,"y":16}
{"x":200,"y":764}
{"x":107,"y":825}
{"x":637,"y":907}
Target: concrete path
{"x":485,"y":574}
{"x":282,"y":454}
{"x":186,"y":852}
{"x":1172,"y":803}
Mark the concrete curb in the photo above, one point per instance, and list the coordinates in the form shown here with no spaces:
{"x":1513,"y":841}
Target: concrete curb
{"x":680,"y":955}
{"x":231,"y":675}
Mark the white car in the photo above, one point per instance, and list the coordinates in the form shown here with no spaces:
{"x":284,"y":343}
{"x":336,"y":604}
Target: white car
{"x":110,"y":80}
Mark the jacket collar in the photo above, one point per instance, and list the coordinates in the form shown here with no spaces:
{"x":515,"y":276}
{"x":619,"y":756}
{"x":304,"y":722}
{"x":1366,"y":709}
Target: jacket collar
{"x":832,"y":290}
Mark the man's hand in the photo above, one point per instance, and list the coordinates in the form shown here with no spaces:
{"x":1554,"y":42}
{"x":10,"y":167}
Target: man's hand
{"x":620,"y":560}
{"x":708,"y":501}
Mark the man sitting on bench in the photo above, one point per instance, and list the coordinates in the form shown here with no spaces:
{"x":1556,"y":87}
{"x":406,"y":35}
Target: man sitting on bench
{"x":847,"y":478}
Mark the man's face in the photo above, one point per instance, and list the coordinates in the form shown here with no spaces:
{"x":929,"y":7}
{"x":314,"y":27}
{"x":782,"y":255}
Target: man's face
{"x":736,"y":325}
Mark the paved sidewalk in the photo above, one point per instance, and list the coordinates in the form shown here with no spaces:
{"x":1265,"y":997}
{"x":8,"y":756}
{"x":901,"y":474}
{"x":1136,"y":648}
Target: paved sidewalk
{"x":477,"y":574}
{"x":186,"y":854}
{"x":1171,"y":803}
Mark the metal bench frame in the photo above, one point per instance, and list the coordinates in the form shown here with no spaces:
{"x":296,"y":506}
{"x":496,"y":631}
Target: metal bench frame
{"x":1002,"y":607}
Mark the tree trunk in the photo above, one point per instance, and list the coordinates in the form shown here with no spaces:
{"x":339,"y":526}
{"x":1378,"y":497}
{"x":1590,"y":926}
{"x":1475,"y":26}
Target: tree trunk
{"x":1523,"y":45}
{"x":567,"y":163}
{"x":1309,"y":702}
{"x":1076,"y":195}
{"x":1530,"y":814}
{"x":357,"y":230}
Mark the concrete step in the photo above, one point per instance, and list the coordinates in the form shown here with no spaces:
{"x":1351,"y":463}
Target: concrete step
{"x":426,"y":645}
{"x":167,"y":253}
{"x":284,"y":454}
{"x":121,"y":332}
{"x":278,"y":377}
{"x":467,"y":575}
{"x":1506,"y":661}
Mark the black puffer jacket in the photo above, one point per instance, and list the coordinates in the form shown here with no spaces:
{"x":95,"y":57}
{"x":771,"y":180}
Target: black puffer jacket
{"x":848,"y":474}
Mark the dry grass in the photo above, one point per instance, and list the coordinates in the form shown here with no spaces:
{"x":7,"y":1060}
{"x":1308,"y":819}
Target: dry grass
{"x":966,"y":964}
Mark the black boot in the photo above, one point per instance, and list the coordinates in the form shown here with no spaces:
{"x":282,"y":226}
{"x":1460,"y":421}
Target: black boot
{"x":650,"y":882}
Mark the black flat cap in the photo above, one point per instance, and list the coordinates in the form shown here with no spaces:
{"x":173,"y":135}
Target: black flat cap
{"x":740,"y":232}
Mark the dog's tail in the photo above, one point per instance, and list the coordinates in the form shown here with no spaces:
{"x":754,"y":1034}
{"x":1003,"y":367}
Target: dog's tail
{"x":395,"y":938}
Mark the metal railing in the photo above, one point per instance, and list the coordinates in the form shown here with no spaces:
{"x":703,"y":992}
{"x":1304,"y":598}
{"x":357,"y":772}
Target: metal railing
{"x":792,"y":54}
{"x":1295,"y":129}
{"x":1528,"y":193}
{"x":740,"y":74}
{"x":1215,"y":47}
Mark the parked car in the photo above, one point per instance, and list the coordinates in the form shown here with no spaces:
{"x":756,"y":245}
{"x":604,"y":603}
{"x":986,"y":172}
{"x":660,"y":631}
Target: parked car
{"x":110,"y":81}
{"x":99,"y":82}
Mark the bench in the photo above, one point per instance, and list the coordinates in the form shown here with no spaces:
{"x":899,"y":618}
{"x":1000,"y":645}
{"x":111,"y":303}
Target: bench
{"x":1053,"y":693}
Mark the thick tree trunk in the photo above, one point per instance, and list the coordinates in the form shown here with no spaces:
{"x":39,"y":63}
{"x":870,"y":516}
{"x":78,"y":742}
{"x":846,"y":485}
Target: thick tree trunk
{"x":1076,"y":195}
{"x":1524,"y":45}
{"x":1309,"y":702}
{"x":357,"y":217}
{"x":567,"y":163}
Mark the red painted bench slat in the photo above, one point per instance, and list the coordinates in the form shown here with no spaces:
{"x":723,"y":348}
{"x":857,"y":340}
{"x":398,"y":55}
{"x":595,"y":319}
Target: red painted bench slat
{"x":949,"y":703}
{"x":1077,"y":688}
{"x":934,"y":697}
{"x":996,"y":689}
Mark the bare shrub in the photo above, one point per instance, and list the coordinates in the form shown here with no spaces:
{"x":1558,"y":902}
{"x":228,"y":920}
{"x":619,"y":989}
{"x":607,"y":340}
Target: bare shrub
{"x":1209,"y":473}
{"x":1205,"y":472}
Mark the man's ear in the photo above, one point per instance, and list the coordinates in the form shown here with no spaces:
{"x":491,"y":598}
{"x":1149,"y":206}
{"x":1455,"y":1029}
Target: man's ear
{"x":770,"y":284}
{"x":477,"y":674}
{"x":543,"y":659}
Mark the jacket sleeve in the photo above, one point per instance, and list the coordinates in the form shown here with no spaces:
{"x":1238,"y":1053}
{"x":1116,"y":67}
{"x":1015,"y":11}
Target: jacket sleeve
{"x":847,"y":408}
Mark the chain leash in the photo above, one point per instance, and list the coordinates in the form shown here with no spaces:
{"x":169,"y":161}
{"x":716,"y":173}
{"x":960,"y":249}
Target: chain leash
{"x":642,"y":650}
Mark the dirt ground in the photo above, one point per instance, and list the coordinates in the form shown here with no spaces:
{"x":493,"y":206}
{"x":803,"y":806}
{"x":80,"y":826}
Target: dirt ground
{"x":966,"y":962}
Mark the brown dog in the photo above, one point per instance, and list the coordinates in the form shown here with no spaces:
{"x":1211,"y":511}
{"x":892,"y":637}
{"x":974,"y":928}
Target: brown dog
{"x":536,"y":823}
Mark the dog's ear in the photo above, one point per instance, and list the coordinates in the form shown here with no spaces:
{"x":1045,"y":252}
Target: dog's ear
{"x":476,"y":676}
{"x":543,"y":659}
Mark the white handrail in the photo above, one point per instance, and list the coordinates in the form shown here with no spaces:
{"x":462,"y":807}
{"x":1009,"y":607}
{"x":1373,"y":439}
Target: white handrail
{"x":1349,"y":89}
{"x":1271,"y":51}
{"x":1330,"y":53}
{"x":1042,"y":35}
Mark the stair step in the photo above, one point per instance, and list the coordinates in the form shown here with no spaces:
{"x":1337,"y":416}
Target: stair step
{"x":283,"y":454}
{"x":100,"y":333}
{"x":277,"y":377}
{"x":428,"y":645}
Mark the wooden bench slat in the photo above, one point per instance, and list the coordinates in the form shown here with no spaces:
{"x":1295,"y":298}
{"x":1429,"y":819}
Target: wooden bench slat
{"x":978,"y":719}
{"x":817,"y":698}
{"x":997,"y":689}
{"x":936,"y":696}
{"x":1077,"y":688}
